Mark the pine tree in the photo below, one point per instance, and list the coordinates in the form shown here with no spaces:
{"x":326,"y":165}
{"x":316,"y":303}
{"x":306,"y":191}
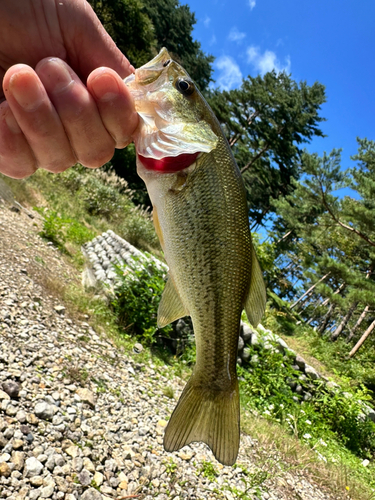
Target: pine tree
{"x":266,"y":121}
{"x":333,"y":235}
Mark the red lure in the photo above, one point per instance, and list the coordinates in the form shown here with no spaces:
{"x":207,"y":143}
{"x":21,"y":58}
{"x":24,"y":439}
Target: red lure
{"x":169,"y":164}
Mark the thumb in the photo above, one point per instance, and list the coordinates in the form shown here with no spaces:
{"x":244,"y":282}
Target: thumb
{"x":88,"y":44}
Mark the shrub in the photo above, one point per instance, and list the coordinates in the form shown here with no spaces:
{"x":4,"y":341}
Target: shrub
{"x":137,"y":298}
{"x":332,"y":414}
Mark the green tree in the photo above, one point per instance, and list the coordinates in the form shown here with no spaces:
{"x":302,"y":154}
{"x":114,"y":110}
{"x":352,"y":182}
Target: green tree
{"x":266,"y":121}
{"x":173,"y":25}
{"x":332,"y":236}
{"x":129,"y":26}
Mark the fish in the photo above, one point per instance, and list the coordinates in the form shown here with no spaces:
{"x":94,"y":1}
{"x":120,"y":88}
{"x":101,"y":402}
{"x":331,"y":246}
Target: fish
{"x":201,"y":218}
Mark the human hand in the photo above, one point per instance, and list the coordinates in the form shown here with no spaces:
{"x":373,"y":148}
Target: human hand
{"x":50,"y":119}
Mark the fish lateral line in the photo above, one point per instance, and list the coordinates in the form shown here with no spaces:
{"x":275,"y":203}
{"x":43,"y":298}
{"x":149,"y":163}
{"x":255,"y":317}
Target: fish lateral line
{"x":169,"y":164}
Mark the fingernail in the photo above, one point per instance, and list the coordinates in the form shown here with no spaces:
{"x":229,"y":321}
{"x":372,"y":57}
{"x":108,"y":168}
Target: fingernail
{"x":26,"y":90}
{"x":12,"y":123}
{"x":105,"y":87}
{"x":55,"y":75}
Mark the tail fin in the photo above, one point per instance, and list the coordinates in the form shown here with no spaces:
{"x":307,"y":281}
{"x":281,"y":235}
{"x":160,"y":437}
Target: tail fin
{"x":207,"y":415}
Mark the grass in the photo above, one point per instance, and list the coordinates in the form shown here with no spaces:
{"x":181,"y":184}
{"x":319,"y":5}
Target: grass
{"x":340,"y":474}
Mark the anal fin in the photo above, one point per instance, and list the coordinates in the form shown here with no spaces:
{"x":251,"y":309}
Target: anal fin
{"x":170,"y":308}
{"x":257,"y":297}
{"x":207,"y":415}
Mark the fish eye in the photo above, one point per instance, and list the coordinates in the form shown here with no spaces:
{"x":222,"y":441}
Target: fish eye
{"x":184,"y":86}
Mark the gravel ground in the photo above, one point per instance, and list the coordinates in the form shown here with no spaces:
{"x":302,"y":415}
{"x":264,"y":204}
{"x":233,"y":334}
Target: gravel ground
{"x":80,"y":418}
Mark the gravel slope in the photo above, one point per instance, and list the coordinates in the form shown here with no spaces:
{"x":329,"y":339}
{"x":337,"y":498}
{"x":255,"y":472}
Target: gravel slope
{"x":81,"y":419}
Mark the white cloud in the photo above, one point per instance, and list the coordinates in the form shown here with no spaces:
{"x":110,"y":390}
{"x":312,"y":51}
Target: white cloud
{"x":207,"y":21}
{"x":230,"y":75}
{"x":267,"y":61}
{"x":252,"y":4}
{"x":235,"y":35}
{"x":212,"y":40}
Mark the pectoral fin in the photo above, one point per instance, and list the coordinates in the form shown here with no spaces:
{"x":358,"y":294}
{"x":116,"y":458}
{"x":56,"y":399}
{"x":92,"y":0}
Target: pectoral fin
{"x":170,"y":307}
{"x":256,"y":300}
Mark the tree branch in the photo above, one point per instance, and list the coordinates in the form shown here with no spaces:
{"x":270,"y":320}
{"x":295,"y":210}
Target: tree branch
{"x":352,"y":229}
{"x":256,"y":157}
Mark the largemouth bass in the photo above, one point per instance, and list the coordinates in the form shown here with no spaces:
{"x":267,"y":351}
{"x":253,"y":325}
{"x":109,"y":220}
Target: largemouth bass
{"x":200,"y":215}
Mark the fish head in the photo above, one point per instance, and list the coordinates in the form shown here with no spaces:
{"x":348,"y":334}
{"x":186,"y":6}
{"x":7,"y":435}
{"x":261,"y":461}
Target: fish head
{"x":175,"y":119}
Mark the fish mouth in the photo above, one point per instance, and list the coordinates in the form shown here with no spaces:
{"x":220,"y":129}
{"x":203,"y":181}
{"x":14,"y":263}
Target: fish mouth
{"x":151,"y":71}
{"x":170,"y":124}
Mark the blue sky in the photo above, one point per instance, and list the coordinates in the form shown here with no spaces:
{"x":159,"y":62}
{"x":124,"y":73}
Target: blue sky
{"x":330,"y":41}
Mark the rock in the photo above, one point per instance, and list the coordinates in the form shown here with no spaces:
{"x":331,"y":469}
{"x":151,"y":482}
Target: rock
{"x":247,"y":332}
{"x":18,"y":458}
{"x":5,"y":470}
{"x":186,"y":455}
{"x":24,"y":429}
{"x":307,"y":396}
{"x":371,"y":414}
{"x":311,"y":372}
{"x":44,"y":410}
{"x":254,"y":360}
{"x":11,"y":410}
{"x":87,"y":396}
{"x":73,"y":451}
{"x":36,"y":481}
{"x":50,"y":463}
{"x":11,"y":388}
{"x":123,"y":485}
{"x":241,"y":343}
{"x":88,"y":465}
{"x":91,"y":494}
{"x":62,"y":484}
{"x":48,"y":490}
{"x":4,"y":457}
{"x":246,"y":354}
{"x":34,"y":494}
{"x":332,"y":385}
{"x":282,"y":346}
{"x":4,"y":395}
{"x":21,"y":417}
{"x":138,"y":348}
{"x":98,"y":478}
{"x":85,"y":477}
{"x":300,"y":362}
{"x":254,"y":341}
{"x":77,"y":464}
{"x":32,"y":419}
{"x":33,"y":467}
{"x":17,"y":444}
{"x":59,"y":309}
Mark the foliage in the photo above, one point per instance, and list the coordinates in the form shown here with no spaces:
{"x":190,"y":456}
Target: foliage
{"x":265,"y":121}
{"x":332,"y":415}
{"x":208,"y":470}
{"x":59,"y":229}
{"x":331,"y":237}
{"x":129,"y":26}
{"x":102,"y":201}
{"x":141,"y":29}
{"x":137,"y":298}
{"x":173,"y":25}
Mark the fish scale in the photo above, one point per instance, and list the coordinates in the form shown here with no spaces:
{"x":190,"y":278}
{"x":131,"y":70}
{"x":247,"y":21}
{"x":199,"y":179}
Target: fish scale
{"x":200,"y":214}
